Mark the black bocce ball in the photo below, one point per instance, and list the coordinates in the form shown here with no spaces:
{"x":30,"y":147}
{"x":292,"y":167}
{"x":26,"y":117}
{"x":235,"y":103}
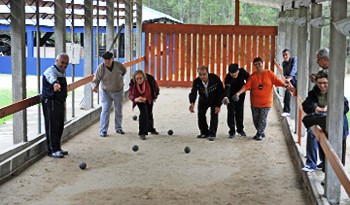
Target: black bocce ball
{"x":187,"y":150}
{"x":134,"y":117}
{"x":135,"y":148}
{"x":170,"y":132}
{"x":82,"y":165}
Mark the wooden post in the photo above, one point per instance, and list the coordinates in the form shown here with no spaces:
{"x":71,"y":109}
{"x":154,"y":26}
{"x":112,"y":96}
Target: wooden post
{"x":237,"y":12}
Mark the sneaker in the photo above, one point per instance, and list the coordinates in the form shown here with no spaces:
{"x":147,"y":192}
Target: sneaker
{"x":103,"y":134}
{"x":64,"y":152}
{"x":231,"y":136}
{"x":202,"y":136}
{"x":242,"y":133}
{"x":120,"y":131}
{"x":285,"y":114}
{"x":143,"y":137}
{"x":258,"y":137}
{"x":56,"y":155}
{"x":211,"y":138}
{"x":263,"y":135}
{"x":307,"y":169}
{"x":320,"y":166}
{"x":154,"y":132}
{"x":323,"y":182}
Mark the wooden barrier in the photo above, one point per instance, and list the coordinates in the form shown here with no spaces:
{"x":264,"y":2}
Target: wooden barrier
{"x":332,"y":158}
{"x":23,"y":104}
{"x":173,"y":52}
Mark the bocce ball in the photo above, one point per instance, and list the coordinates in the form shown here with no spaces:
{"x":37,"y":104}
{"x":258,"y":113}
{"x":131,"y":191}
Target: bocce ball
{"x":82,"y":165}
{"x":134,"y":117}
{"x":135,"y":148}
{"x":170,"y":132}
{"x":187,"y":150}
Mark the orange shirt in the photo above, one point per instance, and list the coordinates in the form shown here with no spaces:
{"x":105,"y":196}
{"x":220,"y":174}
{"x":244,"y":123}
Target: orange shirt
{"x":262,"y":98}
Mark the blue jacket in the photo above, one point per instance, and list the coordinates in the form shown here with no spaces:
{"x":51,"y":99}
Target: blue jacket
{"x":51,"y":76}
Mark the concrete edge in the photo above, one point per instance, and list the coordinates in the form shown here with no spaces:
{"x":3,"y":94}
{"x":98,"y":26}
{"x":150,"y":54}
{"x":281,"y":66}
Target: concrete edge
{"x":26,"y":154}
{"x":298,"y":159}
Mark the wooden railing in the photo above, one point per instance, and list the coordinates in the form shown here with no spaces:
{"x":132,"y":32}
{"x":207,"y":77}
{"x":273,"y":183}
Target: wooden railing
{"x":23,"y":104}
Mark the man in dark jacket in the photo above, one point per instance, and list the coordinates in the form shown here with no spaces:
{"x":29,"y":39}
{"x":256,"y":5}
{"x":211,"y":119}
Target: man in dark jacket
{"x":234,"y":81}
{"x":316,"y":102}
{"x":290,"y":73}
{"x":53,"y":98}
{"x":210,"y":90}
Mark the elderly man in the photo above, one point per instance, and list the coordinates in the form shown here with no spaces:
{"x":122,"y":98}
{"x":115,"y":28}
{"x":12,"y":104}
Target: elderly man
{"x":322,"y":56}
{"x":109,"y":79}
{"x":210,"y":90}
{"x":53,"y":98}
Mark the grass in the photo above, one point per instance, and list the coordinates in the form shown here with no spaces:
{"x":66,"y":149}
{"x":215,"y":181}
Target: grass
{"x":6,"y":99}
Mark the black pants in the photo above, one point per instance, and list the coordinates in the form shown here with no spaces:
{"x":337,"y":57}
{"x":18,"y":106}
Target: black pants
{"x":235,"y":115}
{"x":202,"y":119}
{"x":146,"y":122}
{"x":54,"y":123}
{"x":286,"y":101}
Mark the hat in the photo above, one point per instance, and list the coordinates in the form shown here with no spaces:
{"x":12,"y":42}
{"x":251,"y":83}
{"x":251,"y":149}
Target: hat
{"x":107,"y":55}
{"x":233,"y":67}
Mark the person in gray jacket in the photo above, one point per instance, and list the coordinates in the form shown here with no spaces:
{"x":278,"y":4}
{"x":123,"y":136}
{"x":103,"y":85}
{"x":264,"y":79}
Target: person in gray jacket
{"x":108,"y":80}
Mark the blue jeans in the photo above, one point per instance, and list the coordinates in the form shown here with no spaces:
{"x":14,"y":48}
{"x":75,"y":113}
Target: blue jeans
{"x":311,"y":150}
{"x":106,"y":100}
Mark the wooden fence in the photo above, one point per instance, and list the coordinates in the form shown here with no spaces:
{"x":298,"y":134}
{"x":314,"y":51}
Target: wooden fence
{"x":173,"y":52}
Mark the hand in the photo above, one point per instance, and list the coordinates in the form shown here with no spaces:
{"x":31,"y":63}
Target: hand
{"x":191,"y":108}
{"x":225,"y":101}
{"x":217,"y":110}
{"x":56,"y":87}
{"x":95,"y":89}
{"x":321,"y":109}
{"x":140,"y":99}
{"x":313,"y":78}
{"x":235,"y":97}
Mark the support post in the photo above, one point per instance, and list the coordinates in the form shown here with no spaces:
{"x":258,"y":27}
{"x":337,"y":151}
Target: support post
{"x":139,"y":31}
{"x":110,"y":26}
{"x":315,"y":40}
{"x":60,"y":26}
{"x":18,"y":68}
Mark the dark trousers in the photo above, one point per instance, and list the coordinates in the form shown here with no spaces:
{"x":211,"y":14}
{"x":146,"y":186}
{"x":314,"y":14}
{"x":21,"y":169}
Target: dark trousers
{"x":54,"y":123}
{"x":235,"y":112}
{"x":260,"y":118}
{"x":202,"y":119}
{"x":286,"y":101}
{"x":146,"y":122}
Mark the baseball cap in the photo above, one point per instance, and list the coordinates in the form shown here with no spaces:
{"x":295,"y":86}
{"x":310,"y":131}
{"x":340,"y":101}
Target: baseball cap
{"x":233,"y":67}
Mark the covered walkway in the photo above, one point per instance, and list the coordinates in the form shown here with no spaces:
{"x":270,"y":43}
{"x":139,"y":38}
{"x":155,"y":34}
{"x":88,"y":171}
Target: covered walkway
{"x":226,"y":171}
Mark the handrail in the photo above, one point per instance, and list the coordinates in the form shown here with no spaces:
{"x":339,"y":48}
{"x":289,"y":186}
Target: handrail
{"x":332,"y":158}
{"x":28,"y":102}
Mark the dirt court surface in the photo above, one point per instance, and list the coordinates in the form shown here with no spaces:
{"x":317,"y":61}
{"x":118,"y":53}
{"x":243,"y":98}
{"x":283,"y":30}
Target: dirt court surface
{"x":226,"y":171}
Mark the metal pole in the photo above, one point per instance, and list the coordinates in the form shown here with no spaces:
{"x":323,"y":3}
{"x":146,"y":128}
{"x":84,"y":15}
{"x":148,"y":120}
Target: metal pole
{"x":73,"y":65}
{"x":98,"y":43}
{"x":38,"y":67}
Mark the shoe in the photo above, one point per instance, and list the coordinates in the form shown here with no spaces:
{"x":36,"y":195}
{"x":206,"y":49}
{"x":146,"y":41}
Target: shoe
{"x":211,"y":138}
{"x":285,"y":114}
{"x":231,"y":136}
{"x":104,"y":134}
{"x":154,"y":132}
{"x":120,"y":131}
{"x":143,"y":137}
{"x":263,"y":135}
{"x":242,"y":133}
{"x":307,"y":169}
{"x":323,"y":182}
{"x":64,"y":152}
{"x":202,"y":136}
{"x":320,"y":166}
{"x":258,"y":137}
{"x":56,"y":155}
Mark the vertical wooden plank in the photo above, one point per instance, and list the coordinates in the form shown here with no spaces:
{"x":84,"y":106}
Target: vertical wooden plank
{"x":273,"y":53}
{"x":212,"y":67}
{"x":230,"y":49}
{"x":200,"y":51}
{"x":260,"y":49}
{"x":170,"y":60}
{"x":152,"y":59}
{"x":249,"y":54}
{"x":242,"y":59}
{"x":182,"y":63}
{"x":158,"y":51}
{"x":147,"y":47}
{"x":194,"y":57}
{"x":255,"y":46}
{"x":236,"y":49}
{"x":176,"y":57}
{"x":218,"y":54}
{"x":224,"y":55}
{"x":267,"y":49}
{"x":164,"y":57}
{"x":188,"y":56}
{"x":206,"y":48}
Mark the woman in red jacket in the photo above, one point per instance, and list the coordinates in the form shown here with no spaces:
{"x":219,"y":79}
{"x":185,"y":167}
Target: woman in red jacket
{"x":260,"y":84}
{"x":143,"y":91}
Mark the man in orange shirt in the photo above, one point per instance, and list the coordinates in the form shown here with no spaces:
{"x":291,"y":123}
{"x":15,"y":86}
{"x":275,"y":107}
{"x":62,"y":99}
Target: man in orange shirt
{"x":260,"y":84}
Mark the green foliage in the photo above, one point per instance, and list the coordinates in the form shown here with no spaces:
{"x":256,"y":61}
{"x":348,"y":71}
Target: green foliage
{"x":214,"y":12}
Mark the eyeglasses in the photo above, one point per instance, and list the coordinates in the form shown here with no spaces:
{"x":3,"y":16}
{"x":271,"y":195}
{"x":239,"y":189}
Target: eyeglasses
{"x":257,"y":63}
{"x":140,"y":78}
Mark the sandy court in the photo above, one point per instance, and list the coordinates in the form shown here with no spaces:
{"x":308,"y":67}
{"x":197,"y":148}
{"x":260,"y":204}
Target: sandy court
{"x":226,"y":171}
